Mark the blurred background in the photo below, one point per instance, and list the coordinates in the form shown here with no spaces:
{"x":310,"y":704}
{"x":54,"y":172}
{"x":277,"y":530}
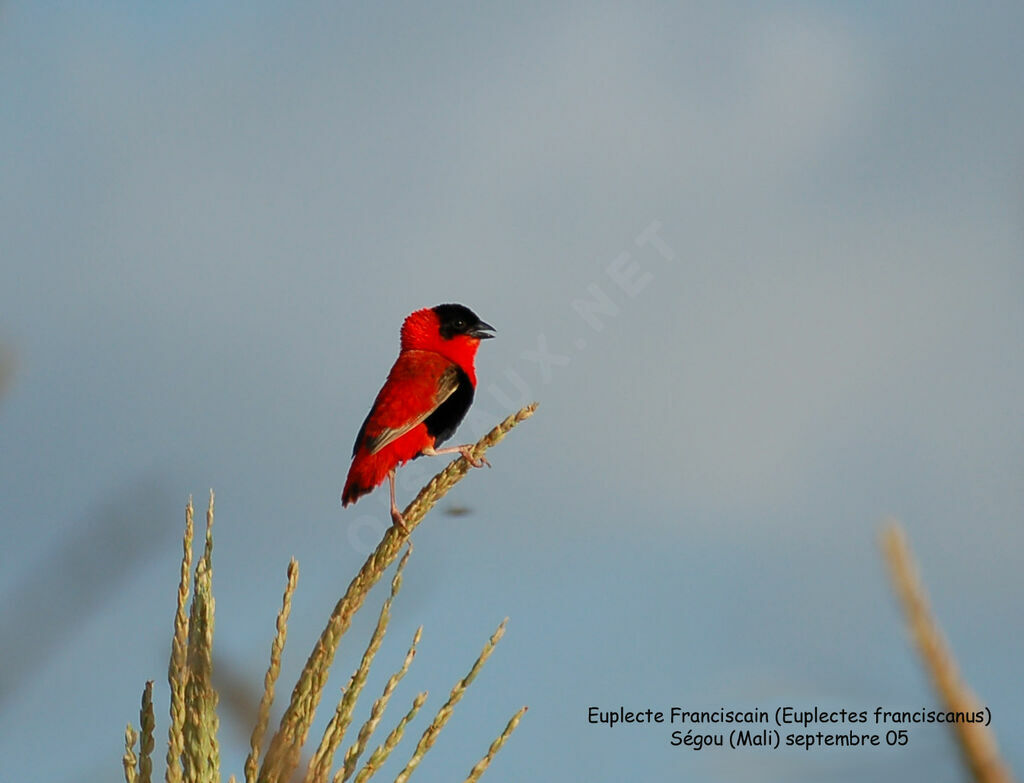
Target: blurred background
{"x":761,"y":264}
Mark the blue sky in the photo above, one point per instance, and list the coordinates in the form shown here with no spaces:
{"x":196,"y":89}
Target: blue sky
{"x":215,"y":217}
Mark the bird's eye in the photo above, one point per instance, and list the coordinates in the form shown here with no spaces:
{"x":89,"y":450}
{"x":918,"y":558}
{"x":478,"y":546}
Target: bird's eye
{"x":459,"y":324}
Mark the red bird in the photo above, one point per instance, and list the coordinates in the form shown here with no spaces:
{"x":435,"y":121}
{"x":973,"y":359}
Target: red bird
{"x":427,"y":393}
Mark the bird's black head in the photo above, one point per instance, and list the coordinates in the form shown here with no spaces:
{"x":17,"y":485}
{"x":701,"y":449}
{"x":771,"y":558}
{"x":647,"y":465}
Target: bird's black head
{"x":456,"y":319}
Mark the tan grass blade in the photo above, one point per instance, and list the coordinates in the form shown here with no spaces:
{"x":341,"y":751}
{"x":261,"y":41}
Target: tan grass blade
{"x":380,"y":755}
{"x":356,"y":749}
{"x":482,"y":764}
{"x":434,"y":729}
{"x":322,"y":761}
{"x":283,"y":753}
{"x":202,"y":751}
{"x":177,"y":669}
{"x":270,"y":678}
{"x":129,"y":760}
{"x":976,"y":740}
{"x":147,"y":721}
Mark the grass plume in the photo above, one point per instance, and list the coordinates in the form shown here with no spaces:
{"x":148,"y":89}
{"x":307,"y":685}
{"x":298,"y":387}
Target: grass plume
{"x":355,"y":750}
{"x":202,"y":750}
{"x":147,"y":720}
{"x":434,"y":729}
{"x":482,"y":764}
{"x":177,"y":670}
{"x":380,"y":755}
{"x":270,"y":679}
{"x":193,"y":747}
{"x":281,"y":757}
{"x":129,"y":760}
{"x":320,"y":766}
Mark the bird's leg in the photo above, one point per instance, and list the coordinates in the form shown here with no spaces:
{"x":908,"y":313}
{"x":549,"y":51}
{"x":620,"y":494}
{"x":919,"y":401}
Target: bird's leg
{"x":396,"y":515}
{"x":465,"y":450}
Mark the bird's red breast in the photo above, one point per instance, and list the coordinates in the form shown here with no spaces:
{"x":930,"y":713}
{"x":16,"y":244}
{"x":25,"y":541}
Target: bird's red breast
{"x":426,"y":394}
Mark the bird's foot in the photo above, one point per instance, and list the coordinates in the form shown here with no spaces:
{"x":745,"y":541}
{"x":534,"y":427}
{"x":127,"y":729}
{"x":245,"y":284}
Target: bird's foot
{"x":476,"y":462}
{"x":398,"y":520}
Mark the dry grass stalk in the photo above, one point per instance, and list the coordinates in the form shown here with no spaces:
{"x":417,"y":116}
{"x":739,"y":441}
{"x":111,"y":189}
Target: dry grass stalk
{"x":282,"y":756}
{"x":434,"y":729}
{"x":147,"y":721}
{"x":482,"y":764}
{"x":270,"y":678}
{"x":380,"y":755}
{"x":322,"y":761}
{"x":439,"y":486}
{"x":177,"y":670}
{"x":976,"y":740}
{"x":202,"y":751}
{"x":356,"y":749}
{"x":193,"y":753}
{"x":129,"y":759}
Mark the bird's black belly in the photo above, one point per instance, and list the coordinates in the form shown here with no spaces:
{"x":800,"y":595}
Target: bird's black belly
{"x":443,"y":422}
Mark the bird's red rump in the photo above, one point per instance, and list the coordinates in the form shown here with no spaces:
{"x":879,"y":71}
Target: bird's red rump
{"x":368,"y":471}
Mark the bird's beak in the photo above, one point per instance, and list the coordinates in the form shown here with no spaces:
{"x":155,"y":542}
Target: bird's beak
{"x":482,"y":331}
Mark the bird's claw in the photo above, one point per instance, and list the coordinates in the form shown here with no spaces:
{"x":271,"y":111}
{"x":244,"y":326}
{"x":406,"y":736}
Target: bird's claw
{"x":398,"y":520}
{"x":476,"y":462}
